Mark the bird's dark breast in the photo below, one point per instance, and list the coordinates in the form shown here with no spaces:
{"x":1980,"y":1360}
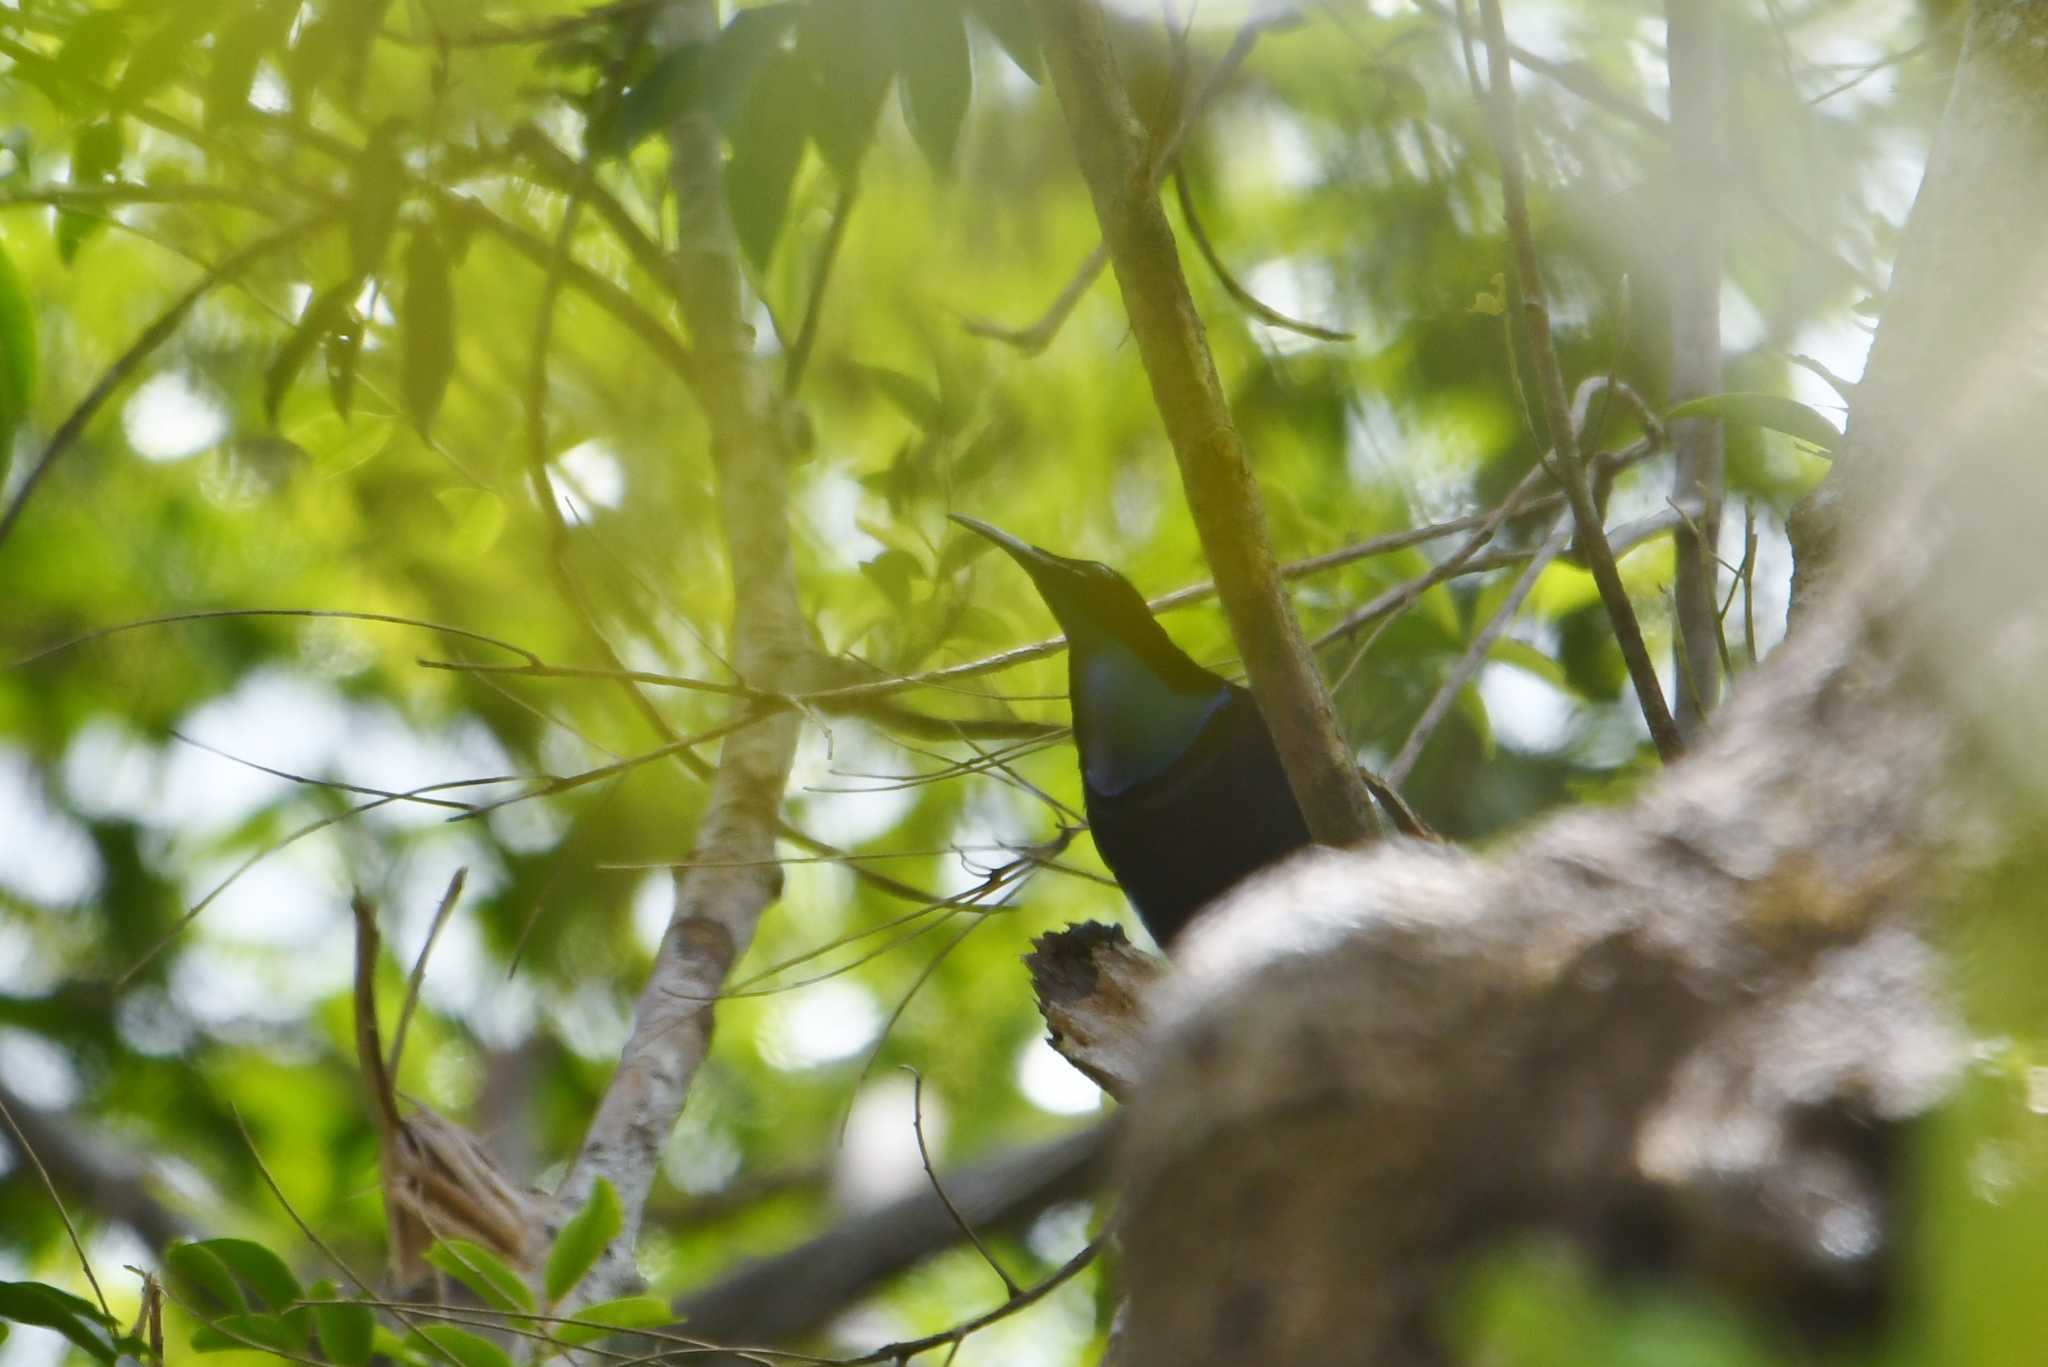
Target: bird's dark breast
{"x":1220,"y":812}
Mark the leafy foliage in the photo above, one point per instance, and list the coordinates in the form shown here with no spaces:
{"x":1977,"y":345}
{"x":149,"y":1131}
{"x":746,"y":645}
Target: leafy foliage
{"x":431,"y":155}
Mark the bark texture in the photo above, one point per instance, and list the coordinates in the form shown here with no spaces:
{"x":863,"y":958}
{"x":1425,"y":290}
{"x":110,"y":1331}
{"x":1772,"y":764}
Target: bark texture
{"x":719,"y":902}
{"x":1369,"y":1064}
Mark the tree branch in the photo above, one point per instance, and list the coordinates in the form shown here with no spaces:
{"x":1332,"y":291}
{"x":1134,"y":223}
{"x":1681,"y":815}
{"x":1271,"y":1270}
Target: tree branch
{"x":1696,"y":249}
{"x":1717,"y":991}
{"x":1229,"y":515}
{"x":718,"y":904}
{"x":1533,"y":313}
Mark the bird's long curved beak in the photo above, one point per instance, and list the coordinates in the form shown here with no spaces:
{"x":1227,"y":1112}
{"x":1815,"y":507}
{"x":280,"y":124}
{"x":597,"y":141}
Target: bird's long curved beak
{"x":1034,"y":560}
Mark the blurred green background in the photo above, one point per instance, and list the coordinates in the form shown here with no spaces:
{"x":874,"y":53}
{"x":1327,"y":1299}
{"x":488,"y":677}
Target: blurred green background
{"x":343,"y":427}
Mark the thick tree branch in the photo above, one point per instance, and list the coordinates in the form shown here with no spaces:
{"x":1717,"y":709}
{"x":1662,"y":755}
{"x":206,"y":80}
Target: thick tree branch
{"x":1694,"y":47}
{"x":1229,"y":515}
{"x":780,"y":1298}
{"x":1368,"y":1064}
{"x":718,"y":903}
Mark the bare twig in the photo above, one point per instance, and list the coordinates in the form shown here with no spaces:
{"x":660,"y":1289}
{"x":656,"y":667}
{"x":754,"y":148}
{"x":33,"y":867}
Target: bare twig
{"x":1252,"y":304}
{"x":419,"y":969}
{"x":49,"y":1187}
{"x":1037,"y":336}
{"x":1526,"y":284}
{"x":924,"y":1155}
{"x":1476,"y":653}
{"x":140,"y":350}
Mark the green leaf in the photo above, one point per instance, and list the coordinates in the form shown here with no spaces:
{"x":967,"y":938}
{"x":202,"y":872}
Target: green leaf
{"x":95,"y":160}
{"x":258,"y":1268}
{"x":609,"y":1317}
{"x":582,"y":1240}
{"x":1015,"y":30}
{"x":938,"y":75}
{"x":767,"y":149}
{"x":709,"y":77}
{"x":373,"y":201}
{"x":913,"y":397}
{"x":1774,"y":411}
{"x":1527,"y":657}
{"x":238,"y":1333}
{"x":99,"y":36}
{"x":468,"y":1350}
{"x":17,"y":356}
{"x":894,"y":572}
{"x":237,"y":48}
{"x":385,"y":1344}
{"x":166,"y":52}
{"x":344,"y":353}
{"x":427,"y":320}
{"x":197,"y":1274}
{"x":845,"y":45}
{"x":475,"y":1266}
{"x":347,"y":1332}
{"x":75,"y":1318}
{"x":325,"y":313}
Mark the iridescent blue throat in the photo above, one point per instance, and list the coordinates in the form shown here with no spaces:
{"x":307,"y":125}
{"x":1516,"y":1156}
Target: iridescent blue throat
{"x":1133,"y":723}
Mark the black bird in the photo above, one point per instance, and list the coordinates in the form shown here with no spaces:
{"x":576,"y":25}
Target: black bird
{"x":1184,"y":787}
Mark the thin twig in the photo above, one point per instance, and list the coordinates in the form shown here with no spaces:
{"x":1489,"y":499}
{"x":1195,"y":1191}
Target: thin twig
{"x":799,"y":358}
{"x":153,"y":336}
{"x":1527,"y":285}
{"x":419,"y":969}
{"x":71,"y":1230}
{"x":1250,"y":302}
{"x":924,"y":1155}
{"x":1037,"y":336}
{"x":1476,"y":653}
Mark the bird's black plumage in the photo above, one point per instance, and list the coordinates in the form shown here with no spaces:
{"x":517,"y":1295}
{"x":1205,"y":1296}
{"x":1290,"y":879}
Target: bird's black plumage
{"x":1184,"y":788}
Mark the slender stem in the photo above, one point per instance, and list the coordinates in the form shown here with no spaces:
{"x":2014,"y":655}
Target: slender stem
{"x":1533,"y":312}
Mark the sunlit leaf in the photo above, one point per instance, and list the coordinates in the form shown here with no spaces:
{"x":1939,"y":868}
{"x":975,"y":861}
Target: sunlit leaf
{"x":1774,"y":411}
{"x":475,"y":1266}
{"x":767,"y":149}
{"x":166,"y":51}
{"x":95,"y":160}
{"x":373,"y":201}
{"x":77,"y":1319}
{"x":325,"y":312}
{"x":894,"y":572}
{"x":627,"y":1312}
{"x":711,"y":78}
{"x":938,"y":75}
{"x":97,"y":38}
{"x":17,"y":356}
{"x":259,"y":27}
{"x":230,"y":1333}
{"x":468,"y":1350}
{"x":1015,"y":29}
{"x":343,"y":349}
{"x":914,"y":398}
{"x":255,"y":1266}
{"x":347,"y":1332}
{"x":582,"y":1240}
{"x":847,"y":49}
{"x":427,"y":323}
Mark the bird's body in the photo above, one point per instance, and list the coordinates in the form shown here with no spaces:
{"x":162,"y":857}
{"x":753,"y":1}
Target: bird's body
{"x":1183,"y":784}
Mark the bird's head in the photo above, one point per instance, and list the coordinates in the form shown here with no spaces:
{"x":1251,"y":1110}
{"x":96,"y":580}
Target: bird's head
{"x":1095,"y":605}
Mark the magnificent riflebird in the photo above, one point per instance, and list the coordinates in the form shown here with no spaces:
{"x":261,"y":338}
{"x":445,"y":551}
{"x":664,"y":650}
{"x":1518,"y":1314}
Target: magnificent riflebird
{"x":1183,"y":785}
